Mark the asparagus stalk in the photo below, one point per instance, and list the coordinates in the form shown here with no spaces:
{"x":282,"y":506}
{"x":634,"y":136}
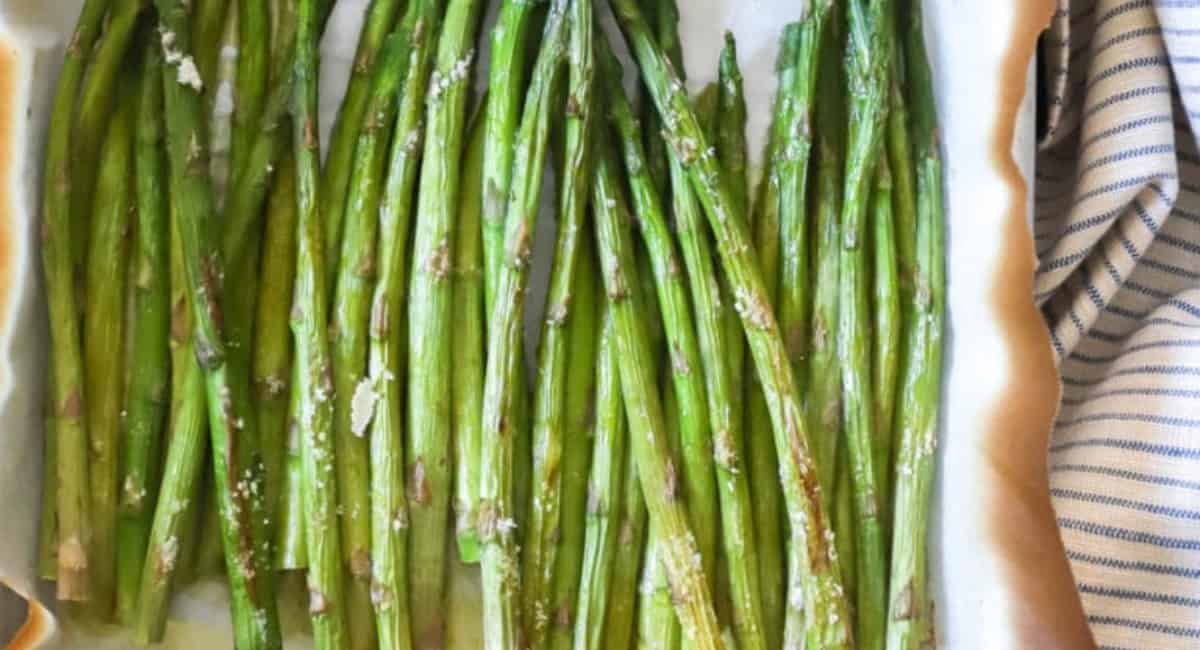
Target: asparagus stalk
{"x":506,"y":82}
{"x":467,"y":374}
{"x":238,"y":477}
{"x":352,"y":294}
{"x":689,"y":586}
{"x":792,"y":162}
{"x":104,"y":305}
{"x":764,"y":464}
{"x":94,"y":110}
{"x":500,"y":561}
{"x":252,"y":182}
{"x":389,"y":506}
{"x":606,"y":491}
{"x":620,"y":621}
{"x":885,"y":306}
{"x":272,"y":362}
{"x":731,"y":151}
{"x":823,"y":365}
{"x":687,"y":371}
{"x":208,"y":22}
{"x":253,"y":68}
{"x":236,"y":471}
{"x":209,"y":549}
{"x":579,"y":431}
{"x":219,"y":79}
{"x":291,"y":544}
{"x":220,"y":98}
{"x":314,"y":374}
{"x":271,"y":365}
{"x":731,"y":132}
{"x":706,"y":103}
{"x":48,"y":523}
{"x":563,"y":356}
{"x":173,"y":539}
{"x":658,"y":627}
{"x":59,"y":241}
{"x":904,"y":212}
{"x":737,"y":524}
{"x":866,"y":68}
{"x":827,"y":608}
{"x":507,"y":75}
{"x":910,"y":611}
{"x":656,"y":147}
{"x":619,"y":624}
{"x":335,"y":185}
{"x":430,"y":308}
{"x":147,"y":398}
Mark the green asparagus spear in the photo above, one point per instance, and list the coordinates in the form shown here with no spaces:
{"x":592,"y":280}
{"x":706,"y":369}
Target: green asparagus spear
{"x":209,"y":20}
{"x":658,"y":627}
{"x":731,"y":132}
{"x":220,"y":99}
{"x":94,"y":111}
{"x":389,"y":507}
{"x":352,"y":294}
{"x":691,"y":594}
{"x":506,"y":82}
{"x":866,"y":77}
{"x":823,"y":365}
{"x":764,"y":464}
{"x":687,"y":371}
{"x":606,"y":492}
{"x":59,"y":242}
{"x":48,"y":523}
{"x":209,"y":557}
{"x":792,"y":162}
{"x":706,"y":103}
{"x":904,"y":211}
{"x":429,"y":310}
{"x":253,"y":68}
{"x":103,"y":333}
{"x":579,"y":424}
{"x":253,"y":181}
{"x":467,"y":378}
{"x":335,"y":185}
{"x":619,"y":621}
{"x":238,"y":476}
{"x":272,"y":363}
{"x":429,"y":517}
{"x":731,"y":151}
{"x":173,"y":537}
{"x":291,"y":545}
{"x":828,"y":625}
{"x":910,"y":610}
{"x":147,"y":398}
{"x":885,"y":306}
{"x":561,"y":371}
{"x":500,"y":561}
{"x":737,"y":524}
{"x":511,"y":43}
{"x":313,"y":362}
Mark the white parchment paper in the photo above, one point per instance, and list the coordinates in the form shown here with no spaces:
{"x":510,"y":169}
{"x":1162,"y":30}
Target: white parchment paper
{"x":968,"y":42}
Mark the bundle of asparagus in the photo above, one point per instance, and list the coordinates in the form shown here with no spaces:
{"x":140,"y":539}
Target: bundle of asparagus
{"x":345,"y":337}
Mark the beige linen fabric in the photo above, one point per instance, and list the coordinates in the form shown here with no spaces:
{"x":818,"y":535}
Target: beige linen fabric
{"x":1117,"y":223}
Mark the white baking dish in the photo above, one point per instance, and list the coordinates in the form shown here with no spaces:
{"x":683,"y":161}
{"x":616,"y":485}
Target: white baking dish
{"x":1001,"y":580}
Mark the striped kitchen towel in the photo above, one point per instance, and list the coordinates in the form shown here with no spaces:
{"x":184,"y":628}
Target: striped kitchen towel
{"x":1117,"y":223}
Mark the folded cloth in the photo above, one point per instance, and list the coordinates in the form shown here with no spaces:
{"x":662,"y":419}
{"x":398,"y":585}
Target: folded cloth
{"x":1117,"y":223}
